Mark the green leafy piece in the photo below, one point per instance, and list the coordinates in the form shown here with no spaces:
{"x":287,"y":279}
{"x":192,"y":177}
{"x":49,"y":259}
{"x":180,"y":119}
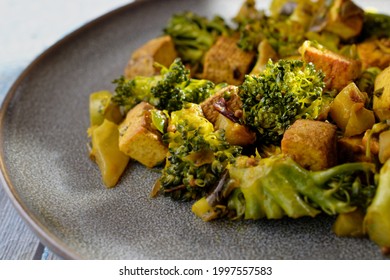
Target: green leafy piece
{"x":193,"y":34}
{"x":287,"y":90}
{"x":159,"y":119}
{"x":375,"y":25}
{"x":167,"y":91}
{"x":251,"y":23}
{"x":277,"y":186}
{"x":377,"y":219}
{"x":198,"y":155}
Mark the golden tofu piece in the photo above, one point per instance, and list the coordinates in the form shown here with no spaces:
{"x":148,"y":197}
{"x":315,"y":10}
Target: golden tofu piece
{"x":311,"y":143}
{"x":160,"y":50}
{"x":339,"y":70}
{"x":139,"y":140}
{"x":226,"y":62}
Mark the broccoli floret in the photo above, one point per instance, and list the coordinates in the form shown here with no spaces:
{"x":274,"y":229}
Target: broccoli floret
{"x":197,"y":156}
{"x":129,"y":93}
{"x":287,"y":90}
{"x":177,"y":87}
{"x":292,"y":22}
{"x":193,"y":34}
{"x":277,"y":186}
{"x":251,"y":23}
{"x":284,"y":35}
{"x":167,"y":91}
{"x":375,"y":25}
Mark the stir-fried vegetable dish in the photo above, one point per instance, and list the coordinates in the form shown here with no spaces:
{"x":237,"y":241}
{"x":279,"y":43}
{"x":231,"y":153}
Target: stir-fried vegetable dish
{"x":283,"y":112}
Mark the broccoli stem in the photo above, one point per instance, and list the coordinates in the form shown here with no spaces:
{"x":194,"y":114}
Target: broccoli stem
{"x":302,"y":184}
{"x":277,"y":186}
{"x":323,"y":176}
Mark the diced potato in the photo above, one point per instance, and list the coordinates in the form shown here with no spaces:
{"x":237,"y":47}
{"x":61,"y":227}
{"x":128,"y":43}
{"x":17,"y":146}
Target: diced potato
{"x":266,"y":52}
{"x":139,"y":140}
{"x":101,"y":107}
{"x":105,"y":151}
{"x":340,"y":109}
{"x":235,"y":133}
{"x":349,"y":113}
{"x":381,"y":102}
{"x":141,"y":63}
{"x":360,"y":120}
{"x":311,"y":143}
{"x":339,"y":70}
{"x":226,"y":62}
{"x":384,"y":146}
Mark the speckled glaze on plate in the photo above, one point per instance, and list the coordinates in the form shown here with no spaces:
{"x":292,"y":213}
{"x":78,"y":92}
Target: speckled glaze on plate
{"x":58,"y":191}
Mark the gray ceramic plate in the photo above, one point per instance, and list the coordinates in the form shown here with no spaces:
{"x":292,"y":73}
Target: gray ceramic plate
{"x":58,"y":191}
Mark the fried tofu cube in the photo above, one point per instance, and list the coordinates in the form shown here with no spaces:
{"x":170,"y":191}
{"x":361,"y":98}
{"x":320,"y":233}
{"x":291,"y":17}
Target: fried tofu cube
{"x":226,"y":62}
{"x":139,"y":140}
{"x":142,"y":61}
{"x":311,"y":143}
{"x":339,"y":70}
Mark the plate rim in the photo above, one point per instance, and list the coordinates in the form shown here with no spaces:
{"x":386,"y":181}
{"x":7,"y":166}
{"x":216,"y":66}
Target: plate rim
{"x":49,"y":239}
